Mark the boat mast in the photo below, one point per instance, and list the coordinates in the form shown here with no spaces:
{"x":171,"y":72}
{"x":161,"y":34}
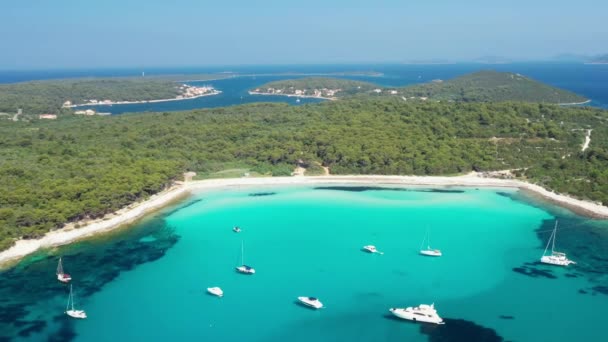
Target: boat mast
{"x":59,"y":267}
{"x":549,"y":242}
{"x":554,"y":237}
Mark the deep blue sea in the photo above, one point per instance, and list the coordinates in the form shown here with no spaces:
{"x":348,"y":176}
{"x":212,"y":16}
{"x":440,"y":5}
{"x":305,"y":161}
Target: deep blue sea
{"x":148,"y":283}
{"x":588,"y":80}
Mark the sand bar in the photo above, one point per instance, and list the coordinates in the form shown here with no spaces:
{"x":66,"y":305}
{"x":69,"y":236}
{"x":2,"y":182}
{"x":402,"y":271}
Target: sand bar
{"x":135,"y":211}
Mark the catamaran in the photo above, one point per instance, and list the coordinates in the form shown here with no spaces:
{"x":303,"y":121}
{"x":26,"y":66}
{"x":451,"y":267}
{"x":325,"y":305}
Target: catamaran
{"x":422,"y":313}
{"x":555,"y":258}
{"x":244,"y":268}
{"x":428,"y":251}
{"x":72,"y":312}
{"x":61,"y":275}
{"x":312,"y":302}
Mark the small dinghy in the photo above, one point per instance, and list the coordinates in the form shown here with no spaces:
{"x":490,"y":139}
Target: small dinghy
{"x":236,"y":229}
{"x":216,"y":291}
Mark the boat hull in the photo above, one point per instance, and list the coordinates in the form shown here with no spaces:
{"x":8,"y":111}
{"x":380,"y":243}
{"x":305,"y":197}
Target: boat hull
{"x":216,"y":291}
{"x":556,"y":261}
{"x":244,"y":270}
{"x":311,"y":304}
{"x":431,"y":253}
{"x":64,"y":278}
{"x":411,"y":316}
{"x":79,"y":314}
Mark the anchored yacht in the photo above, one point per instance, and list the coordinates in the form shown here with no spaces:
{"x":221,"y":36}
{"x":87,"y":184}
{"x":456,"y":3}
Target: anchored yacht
{"x":555,"y":258}
{"x":423,"y":313}
{"x":370,"y":248}
{"x":312,"y":302}
{"x":244,"y":268}
{"x":69,"y":309}
{"x":428,"y":251}
{"x":61,"y":275}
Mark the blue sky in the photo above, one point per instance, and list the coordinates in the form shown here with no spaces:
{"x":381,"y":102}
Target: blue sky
{"x":144,"y":33}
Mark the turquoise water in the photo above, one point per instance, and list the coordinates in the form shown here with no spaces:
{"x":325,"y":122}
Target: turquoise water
{"x":149,"y":283}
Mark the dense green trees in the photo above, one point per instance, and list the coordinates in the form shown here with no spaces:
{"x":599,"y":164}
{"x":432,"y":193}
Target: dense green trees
{"x":482,"y":86}
{"x":48,"y":96}
{"x":57,"y":171}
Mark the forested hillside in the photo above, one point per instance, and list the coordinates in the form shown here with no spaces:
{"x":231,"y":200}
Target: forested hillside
{"x":76,"y":167}
{"x":48,"y":96}
{"x":482,"y":86}
{"x":493,"y":86}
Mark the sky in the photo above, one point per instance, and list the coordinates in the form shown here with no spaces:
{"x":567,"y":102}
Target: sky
{"x":58,"y":34}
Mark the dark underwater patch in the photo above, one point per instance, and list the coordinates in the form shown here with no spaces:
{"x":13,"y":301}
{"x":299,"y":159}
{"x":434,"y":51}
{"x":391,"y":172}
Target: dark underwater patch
{"x":581,"y":291}
{"x":184,"y":206}
{"x":378,"y":188}
{"x":457,"y":330}
{"x":93,"y":266}
{"x":259,"y":194}
{"x":601,"y":289}
{"x":506,"y":317}
{"x":534,"y":272}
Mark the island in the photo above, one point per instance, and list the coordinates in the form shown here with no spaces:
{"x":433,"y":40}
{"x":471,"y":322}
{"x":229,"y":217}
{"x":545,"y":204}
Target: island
{"x":482,"y":86}
{"x":601,"y":59}
{"x":62,"y":96}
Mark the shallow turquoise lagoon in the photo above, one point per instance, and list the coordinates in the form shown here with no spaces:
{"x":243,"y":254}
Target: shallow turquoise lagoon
{"x":149,"y":283}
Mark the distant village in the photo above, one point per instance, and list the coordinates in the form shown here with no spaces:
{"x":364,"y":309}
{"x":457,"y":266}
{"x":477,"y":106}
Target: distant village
{"x":186,"y":92}
{"x":323,"y":93}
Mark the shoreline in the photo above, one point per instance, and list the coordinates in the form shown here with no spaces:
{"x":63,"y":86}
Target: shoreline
{"x":215,"y":92}
{"x":573,"y":103}
{"x":294,"y":95}
{"x":138,"y":210}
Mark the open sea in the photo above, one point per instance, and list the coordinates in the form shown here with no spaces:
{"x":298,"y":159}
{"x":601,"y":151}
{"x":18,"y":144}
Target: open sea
{"x":589,"y":80}
{"x":148,"y":283}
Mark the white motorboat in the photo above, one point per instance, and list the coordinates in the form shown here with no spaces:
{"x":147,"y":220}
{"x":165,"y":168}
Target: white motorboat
{"x":236,"y":229}
{"x":370,"y":248}
{"x":312,"y":302}
{"x":428,"y":251}
{"x":69,"y":309}
{"x":244,"y":268}
{"x":423,"y":313}
{"x":61,"y":275}
{"x":216,"y":291}
{"x":555,"y":258}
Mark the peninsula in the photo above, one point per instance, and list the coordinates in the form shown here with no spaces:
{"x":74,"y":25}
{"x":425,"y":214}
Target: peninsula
{"x":60,"y":96}
{"x":482,"y":86}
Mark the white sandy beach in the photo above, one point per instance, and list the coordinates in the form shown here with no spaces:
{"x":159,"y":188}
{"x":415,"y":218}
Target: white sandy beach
{"x":215,"y":92}
{"x":135,"y":211}
{"x":294,"y":95}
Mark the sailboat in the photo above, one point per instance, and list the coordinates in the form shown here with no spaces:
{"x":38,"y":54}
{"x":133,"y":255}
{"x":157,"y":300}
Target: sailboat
{"x":555,"y":258}
{"x":61,"y":275}
{"x":72,"y":312}
{"x":428,"y":251}
{"x":244,"y":268}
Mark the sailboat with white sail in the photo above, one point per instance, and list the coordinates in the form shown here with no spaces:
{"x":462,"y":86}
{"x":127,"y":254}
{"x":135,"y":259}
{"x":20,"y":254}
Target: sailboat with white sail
{"x":69,"y":309}
{"x":555,"y":258}
{"x":244,"y":268}
{"x":428,"y":251}
{"x":61,"y":275}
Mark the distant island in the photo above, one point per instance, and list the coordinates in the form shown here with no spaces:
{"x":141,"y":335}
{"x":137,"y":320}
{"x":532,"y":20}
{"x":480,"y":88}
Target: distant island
{"x":482,"y":86}
{"x":602,"y":59}
{"x":60,"y":96}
